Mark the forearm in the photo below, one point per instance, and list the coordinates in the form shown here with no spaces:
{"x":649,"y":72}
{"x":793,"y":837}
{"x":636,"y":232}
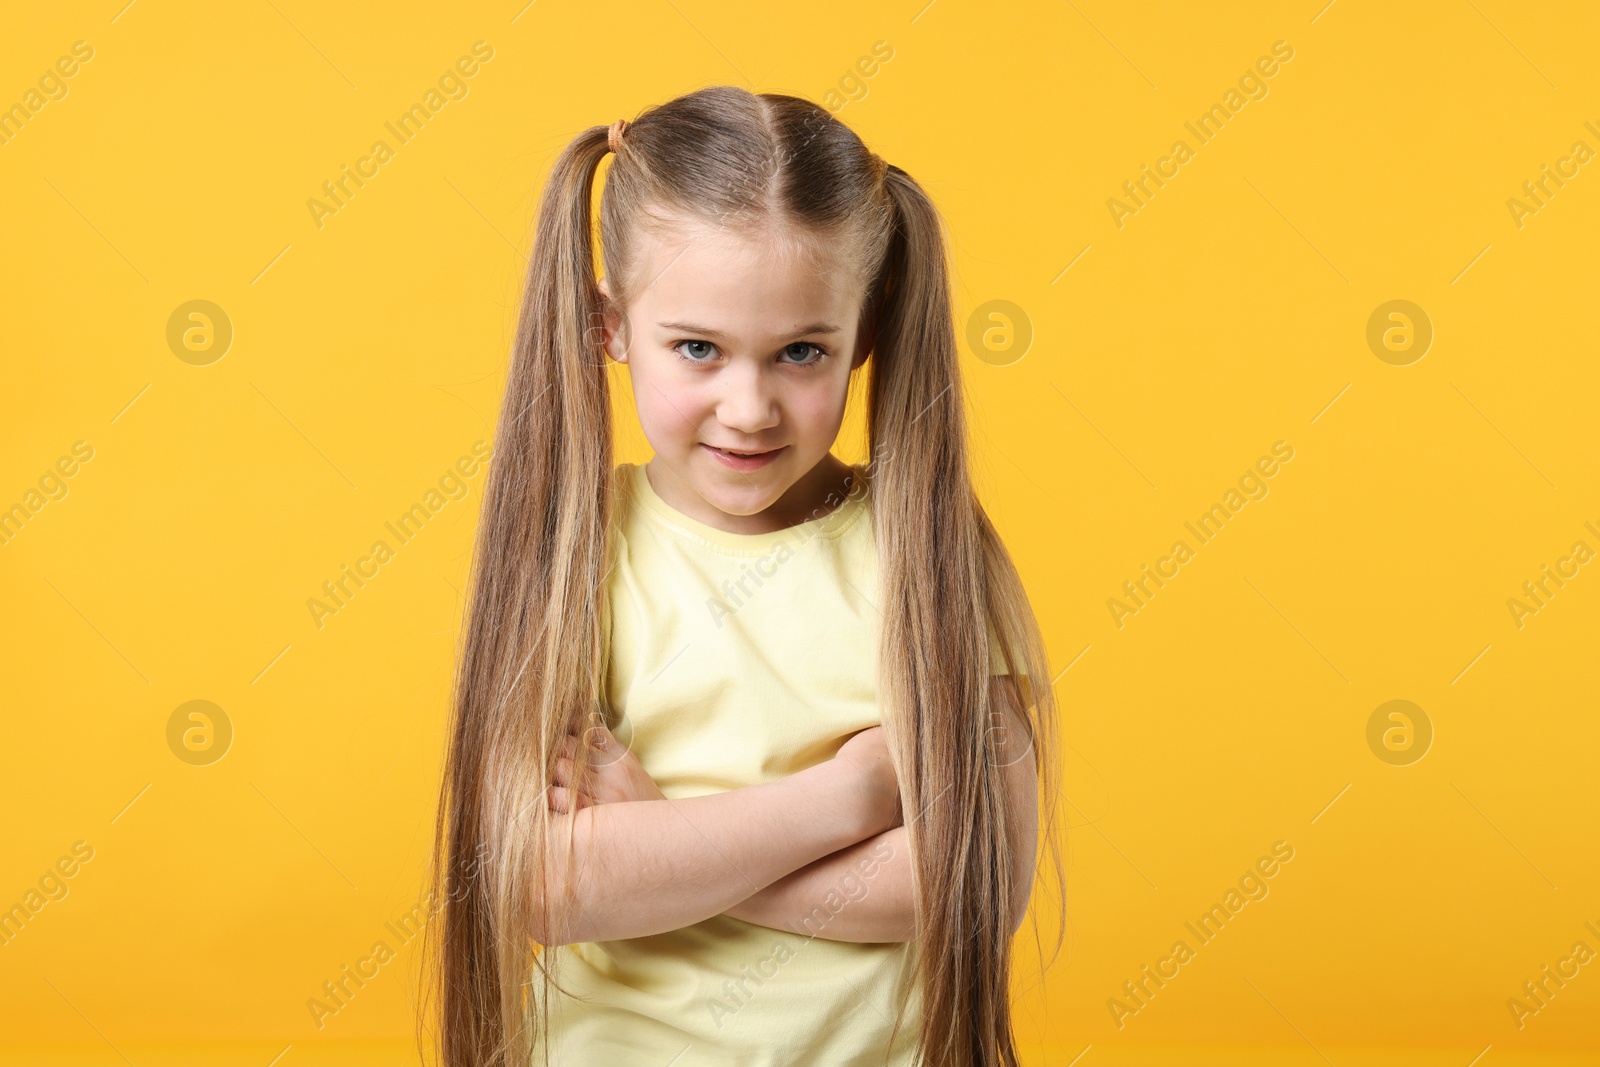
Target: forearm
{"x":648,"y":866}
{"x":859,"y":893}
{"x":863,"y":892}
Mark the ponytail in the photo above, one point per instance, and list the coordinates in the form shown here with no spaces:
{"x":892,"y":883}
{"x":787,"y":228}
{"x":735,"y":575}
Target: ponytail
{"x":944,"y":577}
{"x":531,"y":658}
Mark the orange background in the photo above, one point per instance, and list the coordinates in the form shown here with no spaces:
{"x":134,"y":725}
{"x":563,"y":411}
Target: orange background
{"x":1171,"y":347}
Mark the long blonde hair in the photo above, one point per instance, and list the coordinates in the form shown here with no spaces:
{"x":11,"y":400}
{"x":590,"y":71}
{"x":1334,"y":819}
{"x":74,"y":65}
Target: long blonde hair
{"x":531,"y":659}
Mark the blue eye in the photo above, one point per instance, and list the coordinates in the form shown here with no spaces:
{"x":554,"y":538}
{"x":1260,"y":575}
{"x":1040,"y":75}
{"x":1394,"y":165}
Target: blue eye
{"x":681,"y":345}
{"x":805,"y":348}
{"x":705,"y":352}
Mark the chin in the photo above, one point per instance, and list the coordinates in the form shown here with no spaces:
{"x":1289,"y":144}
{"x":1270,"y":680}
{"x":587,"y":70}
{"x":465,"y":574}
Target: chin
{"x":740,"y":500}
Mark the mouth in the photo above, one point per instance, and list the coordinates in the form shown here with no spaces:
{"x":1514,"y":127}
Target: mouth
{"x":743,"y":455}
{"x":743,"y":460}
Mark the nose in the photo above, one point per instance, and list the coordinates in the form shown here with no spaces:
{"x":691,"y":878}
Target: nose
{"x":748,"y":403}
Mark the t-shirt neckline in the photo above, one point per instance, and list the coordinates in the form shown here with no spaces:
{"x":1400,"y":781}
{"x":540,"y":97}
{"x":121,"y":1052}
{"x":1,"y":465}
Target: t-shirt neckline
{"x":832,"y":524}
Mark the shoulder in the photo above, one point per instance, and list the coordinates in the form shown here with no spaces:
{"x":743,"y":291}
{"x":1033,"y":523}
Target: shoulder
{"x":623,"y":511}
{"x":622,"y":478}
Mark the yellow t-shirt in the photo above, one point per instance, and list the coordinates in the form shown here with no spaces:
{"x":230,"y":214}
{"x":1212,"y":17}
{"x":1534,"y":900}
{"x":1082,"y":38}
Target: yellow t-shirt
{"x":737,"y":659}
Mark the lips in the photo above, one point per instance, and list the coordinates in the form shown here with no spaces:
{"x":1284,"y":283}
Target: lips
{"x":740,"y":452}
{"x":743,"y":460}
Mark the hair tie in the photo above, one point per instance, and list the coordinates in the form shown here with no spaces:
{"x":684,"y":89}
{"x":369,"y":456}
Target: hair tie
{"x":880,"y":168}
{"x":614,"y":138}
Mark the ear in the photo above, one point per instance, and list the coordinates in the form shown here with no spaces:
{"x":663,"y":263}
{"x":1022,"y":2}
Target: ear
{"x":612,"y":325}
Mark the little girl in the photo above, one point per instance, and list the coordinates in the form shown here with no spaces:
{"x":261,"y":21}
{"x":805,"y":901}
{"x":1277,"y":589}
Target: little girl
{"x":749,"y":744}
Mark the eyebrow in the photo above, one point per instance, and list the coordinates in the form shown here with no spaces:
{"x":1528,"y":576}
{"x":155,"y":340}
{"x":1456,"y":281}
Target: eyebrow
{"x":689,"y":327}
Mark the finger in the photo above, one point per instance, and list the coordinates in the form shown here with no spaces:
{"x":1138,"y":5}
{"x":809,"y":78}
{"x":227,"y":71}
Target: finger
{"x":586,"y":798}
{"x":563,"y":771}
{"x":569,"y":746}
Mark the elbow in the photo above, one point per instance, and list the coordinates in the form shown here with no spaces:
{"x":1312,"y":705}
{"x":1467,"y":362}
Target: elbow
{"x":1022,"y":875}
{"x":554,"y":918}
{"x":554,"y":928}
{"x":1019,"y":908}
{"x":541,"y":924}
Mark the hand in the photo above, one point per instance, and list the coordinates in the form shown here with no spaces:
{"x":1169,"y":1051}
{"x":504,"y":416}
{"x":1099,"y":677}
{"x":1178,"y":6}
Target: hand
{"x":618,"y":775}
{"x":867,"y":755}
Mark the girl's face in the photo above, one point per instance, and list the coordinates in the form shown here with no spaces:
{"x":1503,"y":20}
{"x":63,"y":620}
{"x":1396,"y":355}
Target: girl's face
{"x":736,"y":344}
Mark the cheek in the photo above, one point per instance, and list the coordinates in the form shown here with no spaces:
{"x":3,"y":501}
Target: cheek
{"x":665,"y":406}
{"x":663,"y":415}
{"x":820,"y":406}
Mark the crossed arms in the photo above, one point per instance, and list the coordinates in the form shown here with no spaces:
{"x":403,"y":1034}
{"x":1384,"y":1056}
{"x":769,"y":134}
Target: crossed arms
{"x":823,"y":851}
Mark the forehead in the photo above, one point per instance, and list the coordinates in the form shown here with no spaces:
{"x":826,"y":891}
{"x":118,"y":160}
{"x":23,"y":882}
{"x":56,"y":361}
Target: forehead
{"x":759,"y":283}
